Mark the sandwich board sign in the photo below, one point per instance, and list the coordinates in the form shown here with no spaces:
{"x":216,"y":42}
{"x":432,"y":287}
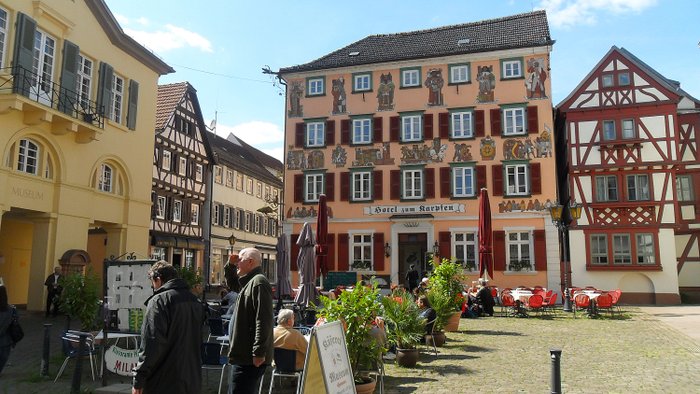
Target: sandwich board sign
{"x":327,"y":363}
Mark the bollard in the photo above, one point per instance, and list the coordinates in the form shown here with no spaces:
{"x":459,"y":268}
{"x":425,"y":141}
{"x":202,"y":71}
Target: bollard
{"x":555,"y":354}
{"x":77,"y":373}
{"x":45,"y":353}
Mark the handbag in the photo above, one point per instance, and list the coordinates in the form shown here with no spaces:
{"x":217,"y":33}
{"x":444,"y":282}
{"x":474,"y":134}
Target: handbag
{"x":15,"y":330}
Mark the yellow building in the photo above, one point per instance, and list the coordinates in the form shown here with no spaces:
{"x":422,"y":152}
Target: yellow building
{"x":77,"y":114}
{"x":401,"y":131}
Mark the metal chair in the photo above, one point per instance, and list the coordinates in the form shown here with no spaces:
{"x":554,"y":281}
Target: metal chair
{"x":70,"y":342}
{"x":507,"y":303}
{"x":535,"y":303}
{"x":581,"y":301}
{"x":303,"y":330}
{"x":216,"y":328}
{"x":285,"y":366}
{"x":213,"y":360}
{"x":431,"y":336}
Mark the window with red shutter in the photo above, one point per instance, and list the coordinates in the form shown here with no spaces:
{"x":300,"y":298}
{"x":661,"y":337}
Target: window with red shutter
{"x":480,"y":178}
{"x":330,"y":260}
{"x":497,"y":176}
{"x":395,"y":184}
{"x":378,"y":188}
{"x":378,"y":129}
{"x":533,"y":125}
{"x":299,"y":132}
{"x":344,"y":186}
{"x":428,"y":127}
{"x":444,"y":125}
{"x":445,"y":182}
{"x":330,"y":186}
{"x":429,"y":183}
{"x":499,"y":250}
{"x":445,"y":245}
{"x":330,"y":132}
{"x":345,"y":132}
{"x":540,"y":250}
{"x":378,"y":251}
{"x":495,"y":122}
{"x":343,"y":252}
{"x":298,"y":187}
{"x":535,"y":179}
{"x":479,"y":123}
{"x":394,"y":129}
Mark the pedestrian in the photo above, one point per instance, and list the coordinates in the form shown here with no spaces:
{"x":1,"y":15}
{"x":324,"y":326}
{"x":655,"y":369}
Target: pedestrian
{"x":231,"y":273}
{"x":6,"y":313}
{"x":171,"y":336}
{"x":54,"y":287}
{"x":251,"y":340}
{"x":412,"y":278}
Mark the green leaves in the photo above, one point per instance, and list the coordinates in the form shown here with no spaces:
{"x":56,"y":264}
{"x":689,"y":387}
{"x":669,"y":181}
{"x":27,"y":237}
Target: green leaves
{"x":405,"y":327}
{"x":80,"y":299}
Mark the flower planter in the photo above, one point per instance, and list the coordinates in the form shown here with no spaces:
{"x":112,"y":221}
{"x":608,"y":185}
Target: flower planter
{"x":407,"y":357}
{"x":365,"y":388}
{"x":453,"y":323}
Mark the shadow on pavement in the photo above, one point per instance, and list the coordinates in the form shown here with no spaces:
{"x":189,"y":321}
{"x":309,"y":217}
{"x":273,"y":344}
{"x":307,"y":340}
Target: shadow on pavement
{"x":490,"y":332}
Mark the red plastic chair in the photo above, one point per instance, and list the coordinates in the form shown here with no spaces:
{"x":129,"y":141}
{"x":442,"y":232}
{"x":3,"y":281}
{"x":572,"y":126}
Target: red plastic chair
{"x":535,"y":303}
{"x":581,"y":301}
{"x":507,"y":301}
{"x":616,"y":300}
{"x":605,"y":303}
{"x":494,"y":294}
{"x":551,"y":301}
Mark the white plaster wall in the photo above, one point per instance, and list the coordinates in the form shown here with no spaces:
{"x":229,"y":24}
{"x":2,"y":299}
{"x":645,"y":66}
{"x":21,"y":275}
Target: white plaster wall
{"x":609,"y":67}
{"x":655,"y":125}
{"x":688,"y":212}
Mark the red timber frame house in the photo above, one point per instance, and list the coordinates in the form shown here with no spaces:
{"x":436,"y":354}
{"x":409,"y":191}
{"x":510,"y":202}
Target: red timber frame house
{"x":629,"y":149}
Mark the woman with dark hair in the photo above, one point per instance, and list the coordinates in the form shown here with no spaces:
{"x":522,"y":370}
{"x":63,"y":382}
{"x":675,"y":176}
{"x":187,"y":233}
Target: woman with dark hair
{"x":6,"y":311}
{"x":427,"y":312}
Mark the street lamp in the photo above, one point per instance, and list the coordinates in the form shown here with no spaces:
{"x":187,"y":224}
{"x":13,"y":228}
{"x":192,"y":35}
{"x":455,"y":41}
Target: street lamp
{"x":562,"y":223}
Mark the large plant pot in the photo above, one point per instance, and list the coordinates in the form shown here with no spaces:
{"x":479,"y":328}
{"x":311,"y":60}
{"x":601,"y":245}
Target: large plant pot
{"x":452,"y":324}
{"x":365,"y":388}
{"x":407,"y":357}
{"x":438,"y":337}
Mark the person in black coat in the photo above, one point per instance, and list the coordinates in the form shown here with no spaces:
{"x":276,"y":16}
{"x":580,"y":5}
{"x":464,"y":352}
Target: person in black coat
{"x":484,"y":298}
{"x":53,"y":286}
{"x":412,"y":278}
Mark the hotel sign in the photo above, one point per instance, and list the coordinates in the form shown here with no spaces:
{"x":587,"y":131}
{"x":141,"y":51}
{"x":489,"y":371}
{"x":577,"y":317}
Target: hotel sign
{"x":412,"y":209}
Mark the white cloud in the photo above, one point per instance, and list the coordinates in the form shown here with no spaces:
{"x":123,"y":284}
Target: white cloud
{"x":168,"y":38}
{"x":277,"y":153}
{"x":569,"y":13}
{"x":266,"y":136}
{"x":123,"y":21}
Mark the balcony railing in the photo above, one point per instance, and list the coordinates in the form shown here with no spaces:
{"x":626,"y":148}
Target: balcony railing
{"x":38,"y":89}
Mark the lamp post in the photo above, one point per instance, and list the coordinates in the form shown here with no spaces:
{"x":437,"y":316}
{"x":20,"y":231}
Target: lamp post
{"x":562,"y":223}
{"x":231,"y":242}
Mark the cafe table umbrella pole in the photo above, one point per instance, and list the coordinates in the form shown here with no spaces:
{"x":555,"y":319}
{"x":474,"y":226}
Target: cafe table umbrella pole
{"x":307,"y":269}
{"x":485,"y":236}
{"x":322,"y":237}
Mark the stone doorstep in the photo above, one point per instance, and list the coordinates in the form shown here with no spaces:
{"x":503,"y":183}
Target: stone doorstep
{"x":118,"y":388}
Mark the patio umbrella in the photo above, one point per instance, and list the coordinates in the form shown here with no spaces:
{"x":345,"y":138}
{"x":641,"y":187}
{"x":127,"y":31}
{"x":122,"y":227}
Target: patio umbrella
{"x":485,"y":248}
{"x":284,"y":288}
{"x":322,"y":237}
{"x":307,"y":269}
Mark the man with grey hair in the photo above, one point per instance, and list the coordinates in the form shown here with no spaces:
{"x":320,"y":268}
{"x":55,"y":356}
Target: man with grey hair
{"x":250,"y":350}
{"x":286,"y":337}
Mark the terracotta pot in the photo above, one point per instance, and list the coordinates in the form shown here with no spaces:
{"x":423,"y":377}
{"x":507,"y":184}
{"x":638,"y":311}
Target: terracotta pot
{"x":438,"y":337}
{"x":407,"y":357}
{"x":365,"y":388}
{"x":452,"y":324}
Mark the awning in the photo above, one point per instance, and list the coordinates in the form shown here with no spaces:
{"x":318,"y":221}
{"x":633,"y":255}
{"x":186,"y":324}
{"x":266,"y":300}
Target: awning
{"x":177,"y":242}
{"x":163,"y":242}
{"x":195,"y":244}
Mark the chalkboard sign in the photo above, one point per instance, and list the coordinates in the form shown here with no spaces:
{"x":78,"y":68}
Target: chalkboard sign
{"x":327,"y":363}
{"x":339,"y":278}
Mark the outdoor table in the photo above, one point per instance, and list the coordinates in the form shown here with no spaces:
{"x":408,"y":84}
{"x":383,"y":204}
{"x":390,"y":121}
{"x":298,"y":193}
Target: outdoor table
{"x":521,"y":296}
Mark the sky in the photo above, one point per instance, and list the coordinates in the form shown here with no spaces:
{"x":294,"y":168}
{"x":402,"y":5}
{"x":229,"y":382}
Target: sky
{"x":221,"y":46}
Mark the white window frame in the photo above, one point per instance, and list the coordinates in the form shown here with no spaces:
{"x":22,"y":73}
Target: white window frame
{"x":362,"y":82}
{"x":237,"y":216}
{"x":512,"y":69}
{"x":229,"y":178}
{"x":607,"y":80}
{"x":622,"y":254}
{"x":177,"y":211}
{"x":249,"y":186}
{"x":194,"y":214}
{"x":412,"y":184}
{"x":160,"y":207}
{"x":514,"y":121}
{"x":684,"y":188}
{"x":248,"y":221}
{"x":314,"y":184}
{"x":258,"y":220}
{"x":410,"y":78}
{"x":315,"y":134}
{"x":4,"y":18}
{"x":117,"y":104}
{"x":198,"y":172}
{"x":106,"y":176}
{"x":167,"y":160}
{"x":83,"y":81}
{"x":258,"y":189}
{"x":411,"y":128}
{"x":628,"y":129}
{"x":463,"y":181}
{"x":524,"y":247}
{"x":216,"y":213}
{"x":361,"y":242}
{"x":459,"y":73}
{"x":218,"y":174}
{"x":28,"y":156}
{"x":227,"y":217}
{"x":182,"y":166}
{"x":462,"y":124}
{"x":316,"y":86}
{"x":620,"y":81}
{"x":519,"y":185}
{"x":608,"y":132}
{"x":466,"y":240}
{"x":603,"y":188}
{"x":599,"y":249}
{"x":646,"y":254}
{"x":641,"y":191}
{"x":43,"y":66}
{"x":362,"y":131}
{"x":361,"y":182}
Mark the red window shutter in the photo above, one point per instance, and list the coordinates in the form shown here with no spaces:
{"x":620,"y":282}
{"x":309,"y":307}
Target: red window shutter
{"x":479,"y":123}
{"x":444,"y":125}
{"x":298,"y":187}
{"x":428,"y":127}
{"x":378,"y":188}
{"x":378,"y":129}
{"x":344,"y":186}
{"x":295,"y":252}
{"x":429,"y":183}
{"x":378,"y":252}
{"x":345,"y":132}
{"x":540,"y":251}
{"x":445,"y":246}
{"x":495,"y":122}
{"x":330,"y":186}
{"x":330,"y":132}
{"x":330,"y":260}
{"x":395,"y":184}
{"x":480,"y":178}
{"x":497,"y":175}
{"x":445,"y":181}
{"x":299,"y":135}
{"x":343,"y":252}
{"x":535,"y":179}
{"x":533,"y":125}
{"x":394,"y":128}
{"x":499,"y":250}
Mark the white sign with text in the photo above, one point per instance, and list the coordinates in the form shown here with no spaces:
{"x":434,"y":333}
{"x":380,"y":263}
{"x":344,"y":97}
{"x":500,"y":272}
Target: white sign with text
{"x":412,"y":209}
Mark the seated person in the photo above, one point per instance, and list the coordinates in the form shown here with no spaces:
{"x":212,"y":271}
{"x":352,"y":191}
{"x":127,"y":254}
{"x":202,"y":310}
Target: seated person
{"x":427,"y":312}
{"x":484,"y":299}
{"x":286,"y":337}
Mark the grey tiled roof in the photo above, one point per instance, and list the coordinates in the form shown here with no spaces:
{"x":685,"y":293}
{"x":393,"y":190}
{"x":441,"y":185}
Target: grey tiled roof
{"x":516,"y":31}
{"x":241,"y":158}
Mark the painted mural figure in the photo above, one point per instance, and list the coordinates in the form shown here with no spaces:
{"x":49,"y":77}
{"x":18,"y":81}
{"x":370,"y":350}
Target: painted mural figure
{"x":339,"y":157}
{"x":385,"y":93}
{"x":487,"y":83}
{"x":434,"y":82}
{"x":295,"y":93}
{"x":536,"y":75}
{"x":462,"y":153}
{"x":339,"y":97}
{"x":487,"y":148}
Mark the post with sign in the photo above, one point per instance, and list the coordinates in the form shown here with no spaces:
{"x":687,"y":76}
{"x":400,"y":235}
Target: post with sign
{"x":327,"y":362}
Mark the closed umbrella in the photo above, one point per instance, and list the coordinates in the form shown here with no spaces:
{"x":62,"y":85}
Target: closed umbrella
{"x":485,"y":248}
{"x":307,"y":269}
{"x":322,"y":237}
{"x":284,"y":288}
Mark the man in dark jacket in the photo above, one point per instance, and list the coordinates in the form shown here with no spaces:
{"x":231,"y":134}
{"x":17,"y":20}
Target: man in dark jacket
{"x":171,"y":337}
{"x":231,"y":273}
{"x":251,"y":341}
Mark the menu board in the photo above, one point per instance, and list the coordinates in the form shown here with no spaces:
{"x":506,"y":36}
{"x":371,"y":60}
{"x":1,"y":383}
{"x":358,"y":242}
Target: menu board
{"x":327,"y":363}
{"x":127,"y":288}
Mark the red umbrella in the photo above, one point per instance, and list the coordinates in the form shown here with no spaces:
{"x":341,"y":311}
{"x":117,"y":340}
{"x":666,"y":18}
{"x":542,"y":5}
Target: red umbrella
{"x":485,"y":249}
{"x":322,"y":236}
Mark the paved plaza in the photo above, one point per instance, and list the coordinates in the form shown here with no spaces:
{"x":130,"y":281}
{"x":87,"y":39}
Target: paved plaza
{"x":640,"y":353}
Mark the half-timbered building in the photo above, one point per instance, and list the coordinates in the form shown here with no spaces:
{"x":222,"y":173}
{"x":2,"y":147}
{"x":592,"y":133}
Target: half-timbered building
{"x":632,"y":162}
{"x":180,"y":219}
{"x":401,"y":131}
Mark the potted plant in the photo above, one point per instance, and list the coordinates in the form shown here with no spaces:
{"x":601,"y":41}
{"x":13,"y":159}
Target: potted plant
{"x":193,"y":277}
{"x":357,"y":309}
{"x":80,"y":299}
{"x":443,"y":307}
{"x":446,"y":279}
{"x":405,"y":327}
